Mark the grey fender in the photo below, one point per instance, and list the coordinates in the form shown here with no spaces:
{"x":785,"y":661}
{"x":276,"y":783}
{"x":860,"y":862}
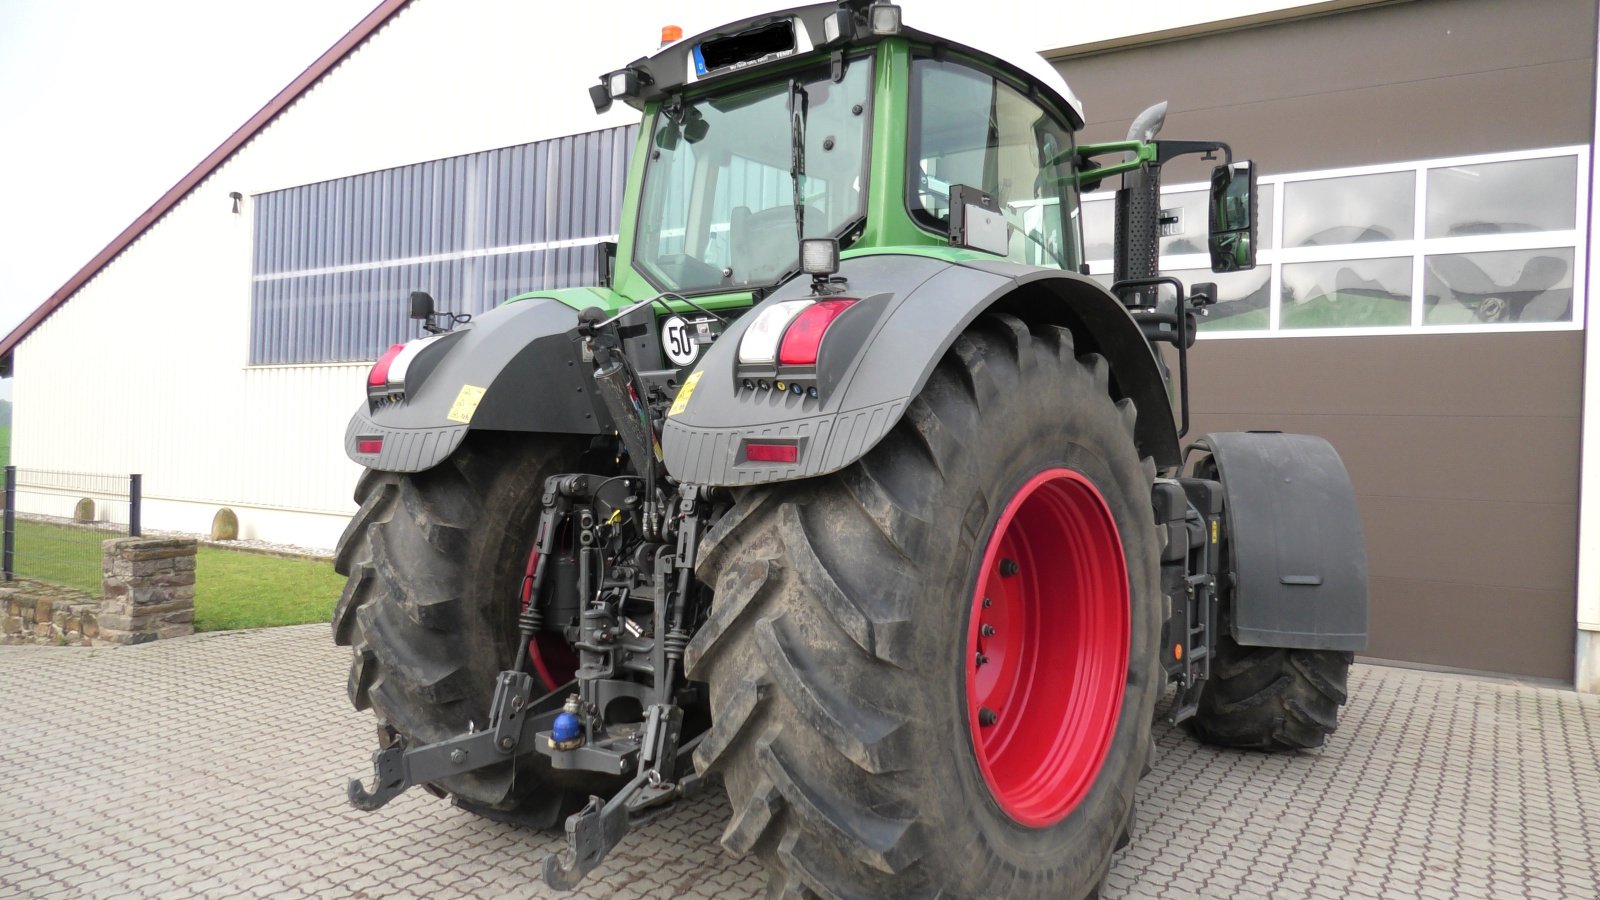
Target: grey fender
{"x":880,"y":353}
{"x":1296,"y":554}
{"x":529,"y":368}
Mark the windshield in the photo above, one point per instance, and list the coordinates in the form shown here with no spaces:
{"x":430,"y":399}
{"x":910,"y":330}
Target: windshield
{"x":718,"y":211}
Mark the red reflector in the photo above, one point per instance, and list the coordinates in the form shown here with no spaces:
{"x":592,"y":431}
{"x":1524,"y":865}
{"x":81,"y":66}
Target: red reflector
{"x":369,"y":445}
{"x":804,"y":337}
{"x":778,"y":453}
{"x":379,"y":376}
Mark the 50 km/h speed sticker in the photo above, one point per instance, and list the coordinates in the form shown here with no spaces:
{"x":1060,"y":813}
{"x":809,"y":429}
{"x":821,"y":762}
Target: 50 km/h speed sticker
{"x":682,"y":338}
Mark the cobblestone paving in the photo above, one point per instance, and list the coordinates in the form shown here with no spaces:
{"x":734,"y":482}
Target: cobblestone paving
{"x":215,"y":766}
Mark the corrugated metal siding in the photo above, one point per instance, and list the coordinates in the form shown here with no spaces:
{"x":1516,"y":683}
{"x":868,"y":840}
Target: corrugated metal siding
{"x":334,"y":262}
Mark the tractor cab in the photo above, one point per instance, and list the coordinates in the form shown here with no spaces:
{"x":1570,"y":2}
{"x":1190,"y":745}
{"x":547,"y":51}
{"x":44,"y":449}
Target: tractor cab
{"x":841,"y":122}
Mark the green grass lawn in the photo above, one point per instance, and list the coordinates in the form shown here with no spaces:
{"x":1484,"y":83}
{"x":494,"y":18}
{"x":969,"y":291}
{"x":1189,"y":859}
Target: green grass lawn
{"x":233,"y":589}
{"x":252,"y":590}
{"x":5,"y":446}
{"x":60,"y":555}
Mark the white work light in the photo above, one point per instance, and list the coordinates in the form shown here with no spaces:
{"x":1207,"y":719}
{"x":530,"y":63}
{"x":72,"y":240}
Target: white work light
{"x":819,"y":256}
{"x":884,"y":18}
{"x":622,"y":83}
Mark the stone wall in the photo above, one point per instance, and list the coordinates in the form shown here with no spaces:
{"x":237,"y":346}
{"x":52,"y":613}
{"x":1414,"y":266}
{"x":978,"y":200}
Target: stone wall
{"x":34,"y":612}
{"x":149,"y":589}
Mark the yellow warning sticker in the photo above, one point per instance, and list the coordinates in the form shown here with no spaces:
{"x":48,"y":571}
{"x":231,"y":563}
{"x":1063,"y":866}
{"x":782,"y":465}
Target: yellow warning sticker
{"x":466,"y":403}
{"x":681,"y":402}
{"x":1213,"y":531}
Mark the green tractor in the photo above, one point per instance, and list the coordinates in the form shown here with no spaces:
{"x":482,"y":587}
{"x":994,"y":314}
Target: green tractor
{"x":844,"y":488}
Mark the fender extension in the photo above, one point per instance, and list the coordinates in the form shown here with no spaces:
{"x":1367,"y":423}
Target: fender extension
{"x":514,"y":368}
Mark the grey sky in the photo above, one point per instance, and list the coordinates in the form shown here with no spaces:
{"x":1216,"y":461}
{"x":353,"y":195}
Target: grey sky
{"x":104,"y":105}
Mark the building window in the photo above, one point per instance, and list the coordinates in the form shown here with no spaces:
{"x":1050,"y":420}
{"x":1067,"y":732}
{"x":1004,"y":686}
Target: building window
{"x":1477,"y":243}
{"x":334,"y":262}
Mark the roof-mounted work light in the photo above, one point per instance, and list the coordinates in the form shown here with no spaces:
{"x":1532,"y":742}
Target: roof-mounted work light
{"x":839,"y":25}
{"x":883,"y":18}
{"x":618,"y":85}
{"x":622,"y":83}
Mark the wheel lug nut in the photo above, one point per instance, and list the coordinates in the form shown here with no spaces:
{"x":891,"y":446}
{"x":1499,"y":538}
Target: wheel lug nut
{"x":987,"y":603}
{"x":982,"y":660}
{"x":1009,"y":567}
{"x":987,"y":717}
{"x":987,"y":631}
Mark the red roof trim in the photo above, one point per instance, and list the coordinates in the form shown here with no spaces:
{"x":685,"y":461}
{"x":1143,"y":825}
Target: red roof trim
{"x":211,"y":163}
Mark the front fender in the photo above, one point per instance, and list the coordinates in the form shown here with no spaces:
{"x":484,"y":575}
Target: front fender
{"x":912,"y":308}
{"x":1295,"y":545}
{"x":514,"y":368}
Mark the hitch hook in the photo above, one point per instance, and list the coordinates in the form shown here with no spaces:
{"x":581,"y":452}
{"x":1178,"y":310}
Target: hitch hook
{"x":389,"y":779}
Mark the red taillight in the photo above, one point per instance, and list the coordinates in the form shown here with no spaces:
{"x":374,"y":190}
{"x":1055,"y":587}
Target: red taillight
{"x":369,"y":445}
{"x":379,"y":376}
{"x":804,"y":336}
{"x":776,"y":453}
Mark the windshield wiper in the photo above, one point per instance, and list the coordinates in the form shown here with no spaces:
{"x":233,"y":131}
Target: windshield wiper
{"x":799,"y":105}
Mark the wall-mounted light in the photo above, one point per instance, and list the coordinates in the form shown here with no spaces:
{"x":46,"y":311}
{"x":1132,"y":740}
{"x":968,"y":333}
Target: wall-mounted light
{"x":237,"y":199}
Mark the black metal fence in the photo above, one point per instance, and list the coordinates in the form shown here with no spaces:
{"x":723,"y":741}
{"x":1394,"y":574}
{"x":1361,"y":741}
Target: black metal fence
{"x":55,"y":522}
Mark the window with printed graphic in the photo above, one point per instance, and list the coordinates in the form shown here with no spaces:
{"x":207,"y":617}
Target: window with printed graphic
{"x":1500,"y":286}
{"x":1357,"y":209}
{"x":1347,"y":293}
{"x":1510,"y":197}
{"x":1243,"y":299}
{"x":1489,"y":242}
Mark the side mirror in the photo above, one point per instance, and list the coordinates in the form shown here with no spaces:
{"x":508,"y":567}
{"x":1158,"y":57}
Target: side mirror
{"x":1233,"y":217}
{"x":421,"y":305}
{"x":667,"y":136}
{"x":695,"y":126}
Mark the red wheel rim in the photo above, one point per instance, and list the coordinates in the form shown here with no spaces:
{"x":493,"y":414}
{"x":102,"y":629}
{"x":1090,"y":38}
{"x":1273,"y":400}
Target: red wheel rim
{"x":1047,"y":647}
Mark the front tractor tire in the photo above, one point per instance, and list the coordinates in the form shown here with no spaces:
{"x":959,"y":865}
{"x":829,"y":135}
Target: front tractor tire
{"x":1271,"y":698}
{"x":935,"y":671}
{"x":434,"y":562}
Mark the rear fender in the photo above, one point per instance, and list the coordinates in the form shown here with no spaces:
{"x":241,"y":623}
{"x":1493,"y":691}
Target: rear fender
{"x":1295,"y":545}
{"x":514,"y":368}
{"x":880,"y":353}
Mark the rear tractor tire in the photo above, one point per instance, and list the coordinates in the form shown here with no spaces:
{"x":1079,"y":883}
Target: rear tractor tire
{"x":934,"y":672}
{"x":434,"y":562}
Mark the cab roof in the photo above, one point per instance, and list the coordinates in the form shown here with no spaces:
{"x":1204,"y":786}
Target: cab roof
{"x":673,"y":67}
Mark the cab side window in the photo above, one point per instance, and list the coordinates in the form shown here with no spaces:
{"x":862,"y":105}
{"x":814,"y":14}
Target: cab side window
{"x":969,"y":127}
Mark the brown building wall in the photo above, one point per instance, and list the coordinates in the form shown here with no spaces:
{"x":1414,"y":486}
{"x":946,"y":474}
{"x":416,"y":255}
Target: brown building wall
{"x":1464,"y":454}
{"x":1413,"y":80}
{"x":1464,"y":449}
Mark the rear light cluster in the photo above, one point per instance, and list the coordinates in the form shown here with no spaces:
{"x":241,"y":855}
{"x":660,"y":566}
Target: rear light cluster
{"x":386,"y":382}
{"x":379,"y":376}
{"x":779,"y":350}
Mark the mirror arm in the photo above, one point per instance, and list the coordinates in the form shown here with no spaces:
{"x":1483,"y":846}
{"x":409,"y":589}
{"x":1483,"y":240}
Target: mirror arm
{"x":1169,"y":150}
{"x":1144,"y":153}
